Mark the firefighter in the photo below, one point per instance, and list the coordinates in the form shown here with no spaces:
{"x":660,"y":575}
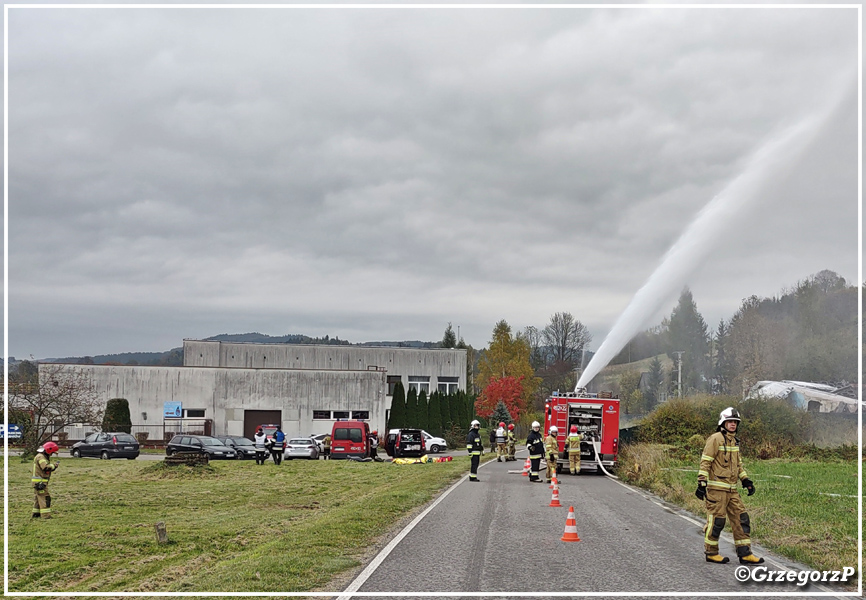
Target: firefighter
{"x":572,"y":444}
{"x":512,"y":441}
{"x":278,"y":445}
{"x":42,"y":469}
{"x":501,"y":438}
{"x":720,"y":471}
{"x":260,"y":440}
{"x":551,"y":450}
{"x":475,"y":447}
{"x":374,"y":443}
{"x":326,"y":446}
{"x":535,"y":446}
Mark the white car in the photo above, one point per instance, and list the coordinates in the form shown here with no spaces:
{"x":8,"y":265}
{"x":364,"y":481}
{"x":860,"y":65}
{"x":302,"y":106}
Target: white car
{"x":433,"y":444}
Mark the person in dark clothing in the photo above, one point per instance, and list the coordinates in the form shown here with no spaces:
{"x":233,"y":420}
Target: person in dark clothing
{"x":279,"y":444}
{"x":492,"y":440}
{"x":535,"y":446}
{"x":475,"y":447}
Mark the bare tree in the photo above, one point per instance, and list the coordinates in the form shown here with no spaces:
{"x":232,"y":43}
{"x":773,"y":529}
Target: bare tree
{"x":566,"y":338}
{"x":62,"y":395}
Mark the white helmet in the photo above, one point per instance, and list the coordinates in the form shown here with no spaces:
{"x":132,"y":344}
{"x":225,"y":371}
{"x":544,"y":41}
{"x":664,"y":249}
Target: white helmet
{"x":536,"y":424}
{"x":475,"y":423}
{"x":553,"y":429}
{"x":729,"y":414}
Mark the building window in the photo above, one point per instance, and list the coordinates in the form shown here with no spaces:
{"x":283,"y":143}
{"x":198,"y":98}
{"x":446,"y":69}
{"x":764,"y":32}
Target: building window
{"x":393,"y":380}
{"x":322,"y":414}
{"x":361,"y":415}
{"x":194,"y":413}
{"x":421,"y":384}
{"x":341,"y":414}
{"x":447,"y":385}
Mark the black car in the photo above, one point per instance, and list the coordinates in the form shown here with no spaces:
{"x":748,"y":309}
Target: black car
{"x":107,"y":445}
{"x":242,"y":445}
{"x":203,"y":444}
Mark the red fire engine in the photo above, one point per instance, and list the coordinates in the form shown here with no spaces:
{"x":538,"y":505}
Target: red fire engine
{"x":597,"y":420}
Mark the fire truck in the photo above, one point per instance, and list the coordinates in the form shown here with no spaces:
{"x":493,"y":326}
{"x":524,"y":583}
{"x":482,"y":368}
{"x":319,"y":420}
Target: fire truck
{"x":597,"y":420}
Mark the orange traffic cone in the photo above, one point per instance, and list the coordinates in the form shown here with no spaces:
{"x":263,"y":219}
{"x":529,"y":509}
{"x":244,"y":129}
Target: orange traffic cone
{"x":554,"y":501}
{"x":526,"y":467}
{"x":570,"y":534}
{"x":553,"y":483}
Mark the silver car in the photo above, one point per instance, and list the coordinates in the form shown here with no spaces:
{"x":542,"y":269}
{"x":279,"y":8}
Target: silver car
{"x":301,"y":448}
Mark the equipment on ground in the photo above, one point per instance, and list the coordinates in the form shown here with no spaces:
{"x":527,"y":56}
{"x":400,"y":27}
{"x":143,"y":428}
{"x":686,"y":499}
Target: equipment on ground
{"x":595,"y":417}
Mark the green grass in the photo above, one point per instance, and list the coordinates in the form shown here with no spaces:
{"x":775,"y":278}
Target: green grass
{"x":791,"y":511}
{"x":233,"y":526}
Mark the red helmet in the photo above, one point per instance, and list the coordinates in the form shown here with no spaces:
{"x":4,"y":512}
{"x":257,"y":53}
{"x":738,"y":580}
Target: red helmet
{"x":574,"y":429}
{"x":375,"y":432}
{"x":510,"y":426}
{"x":50,"y":448}
{"x":501,"y":424}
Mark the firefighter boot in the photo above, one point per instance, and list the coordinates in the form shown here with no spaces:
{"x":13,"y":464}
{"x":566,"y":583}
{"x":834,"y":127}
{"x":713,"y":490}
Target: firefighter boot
{"x":718,"y":559}
{"x":751,"y":559}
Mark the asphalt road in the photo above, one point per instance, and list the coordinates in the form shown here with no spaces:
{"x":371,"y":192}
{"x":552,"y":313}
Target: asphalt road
{"x":501,"y":536}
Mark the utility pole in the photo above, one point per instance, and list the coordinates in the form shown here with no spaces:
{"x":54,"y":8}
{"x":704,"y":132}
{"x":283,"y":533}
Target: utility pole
{"x":679,"y":354}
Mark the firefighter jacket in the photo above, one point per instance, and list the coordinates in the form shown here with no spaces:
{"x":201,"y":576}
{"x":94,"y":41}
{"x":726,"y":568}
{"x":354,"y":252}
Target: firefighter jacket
{"x":260,"y":441}
{"x":535,"y":444}
{"x":473,"y":443}
{"x":512,"y":439}
{"x":42,"y":468}
{"x":721,"y":466}
{"x":551,"y":446}
{"x":572,"y":443}
{"x":500,"y":435}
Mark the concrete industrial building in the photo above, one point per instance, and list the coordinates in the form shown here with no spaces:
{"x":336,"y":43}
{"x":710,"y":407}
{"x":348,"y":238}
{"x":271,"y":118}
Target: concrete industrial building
{"x":237,"y":386}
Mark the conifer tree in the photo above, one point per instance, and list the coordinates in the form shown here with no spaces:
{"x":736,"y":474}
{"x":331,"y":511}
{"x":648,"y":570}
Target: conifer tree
{"x":422,"y":412}
{"x":411,"y":420}
{"x":444,"y":413}
{"x":434,"y":418}
{"x":500,"y":415}
{"x":397,"y":416}
{"x":117,"y":416}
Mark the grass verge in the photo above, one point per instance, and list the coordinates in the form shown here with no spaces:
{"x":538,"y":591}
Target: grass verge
{"x":803,"y":509}
{"x":233,"y":526}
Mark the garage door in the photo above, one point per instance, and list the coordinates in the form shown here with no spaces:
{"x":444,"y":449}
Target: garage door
{"x":254,"y":418}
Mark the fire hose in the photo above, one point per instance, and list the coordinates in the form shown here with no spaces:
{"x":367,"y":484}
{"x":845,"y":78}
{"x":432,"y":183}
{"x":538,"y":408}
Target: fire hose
{"x":597,"y":447}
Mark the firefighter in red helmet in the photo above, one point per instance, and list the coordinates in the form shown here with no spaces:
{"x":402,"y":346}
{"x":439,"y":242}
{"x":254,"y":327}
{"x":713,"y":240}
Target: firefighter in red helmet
{"x":512,"y":442}
{"x":720,"y":470}
{"x":42,"y":470}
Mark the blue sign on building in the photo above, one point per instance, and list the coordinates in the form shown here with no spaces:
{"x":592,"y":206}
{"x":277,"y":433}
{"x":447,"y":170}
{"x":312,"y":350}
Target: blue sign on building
{"x":14,"y":431}
{"x":172,"y":410}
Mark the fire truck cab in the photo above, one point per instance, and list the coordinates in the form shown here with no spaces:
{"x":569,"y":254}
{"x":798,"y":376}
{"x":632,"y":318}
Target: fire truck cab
{"x":597,"y":420}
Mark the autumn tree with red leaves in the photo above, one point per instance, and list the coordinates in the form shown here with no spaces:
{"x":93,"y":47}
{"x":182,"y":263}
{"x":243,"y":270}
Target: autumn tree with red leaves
{"x":508,"y":390}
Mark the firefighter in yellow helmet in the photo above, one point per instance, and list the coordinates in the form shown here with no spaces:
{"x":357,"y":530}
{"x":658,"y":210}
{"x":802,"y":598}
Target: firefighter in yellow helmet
{"x":572,"y":445}
{"x":720,"y":471}
{"x":42,"y":470}
{"x":551,"y":450}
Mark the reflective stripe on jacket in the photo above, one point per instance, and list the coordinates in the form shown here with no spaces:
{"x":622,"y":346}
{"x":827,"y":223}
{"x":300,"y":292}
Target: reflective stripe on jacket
{"x":42,"y":468}
{"x":535,"y":444}
{"x":721,"y":465}
{"x":473,"y":443}
{"x":573,"y":442}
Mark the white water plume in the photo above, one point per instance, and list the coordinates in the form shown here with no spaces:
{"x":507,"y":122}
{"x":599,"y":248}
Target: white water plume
{"x":768,"y":163}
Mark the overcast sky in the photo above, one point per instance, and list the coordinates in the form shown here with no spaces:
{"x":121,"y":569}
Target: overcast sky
{"x":373,"y":174}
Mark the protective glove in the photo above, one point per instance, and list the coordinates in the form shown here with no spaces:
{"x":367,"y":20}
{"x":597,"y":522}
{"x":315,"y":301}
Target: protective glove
{"x":701,"y":492}
{"x":750,"y":487}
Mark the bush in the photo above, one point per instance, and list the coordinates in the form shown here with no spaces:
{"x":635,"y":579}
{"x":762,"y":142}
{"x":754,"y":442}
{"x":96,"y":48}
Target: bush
{"x":769,"y":429}
{"x":116,"y":416}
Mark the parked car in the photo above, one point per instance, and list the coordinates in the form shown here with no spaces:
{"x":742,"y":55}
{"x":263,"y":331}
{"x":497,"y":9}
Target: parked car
{"x":320,"y":441}
{"x":301,"y":448}
{"x":242,"y":445}
{"x":434,"y":444}
{"x":107,"y":445}
{"x":203,"y":444}
{"x":350,"y":438}
{"x":401,"y":443}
